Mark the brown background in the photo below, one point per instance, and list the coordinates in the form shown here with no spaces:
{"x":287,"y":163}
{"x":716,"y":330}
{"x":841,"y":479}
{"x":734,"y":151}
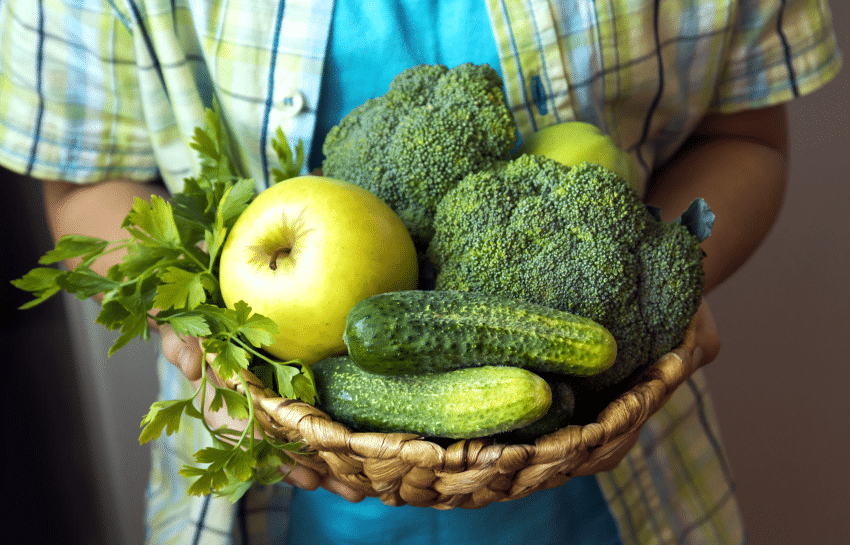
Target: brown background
{"x":780,"y":384}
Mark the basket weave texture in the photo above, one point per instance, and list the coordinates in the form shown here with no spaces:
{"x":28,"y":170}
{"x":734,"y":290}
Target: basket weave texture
{"x":403,"y":468}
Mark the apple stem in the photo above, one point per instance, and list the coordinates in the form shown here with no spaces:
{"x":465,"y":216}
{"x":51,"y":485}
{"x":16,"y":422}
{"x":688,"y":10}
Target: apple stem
{"x":277,"y":253}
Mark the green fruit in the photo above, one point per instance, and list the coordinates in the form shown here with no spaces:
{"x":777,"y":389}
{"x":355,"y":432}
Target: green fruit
{"x":576,"y":142}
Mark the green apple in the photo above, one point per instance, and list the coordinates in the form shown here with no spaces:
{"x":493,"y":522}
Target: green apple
{"x":575,"y":142}
{"x":305,"y":251}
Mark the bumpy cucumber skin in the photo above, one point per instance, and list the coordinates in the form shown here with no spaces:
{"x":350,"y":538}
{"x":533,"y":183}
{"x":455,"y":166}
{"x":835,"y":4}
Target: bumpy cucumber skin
{"x":559,"y":415}
{"x":460,"y":404}
{"x":427,"y":331}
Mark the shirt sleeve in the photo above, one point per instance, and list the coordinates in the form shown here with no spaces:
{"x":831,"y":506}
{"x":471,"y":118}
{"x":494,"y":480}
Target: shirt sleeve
{"x":778,"y":50}
{"x":71,"y":108}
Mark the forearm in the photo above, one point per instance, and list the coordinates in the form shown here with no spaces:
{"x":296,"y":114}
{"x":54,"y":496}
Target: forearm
{"x":738,"y":164}
{"x":96,"y":210}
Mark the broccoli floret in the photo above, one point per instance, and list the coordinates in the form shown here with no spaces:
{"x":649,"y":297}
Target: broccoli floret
{"x":578,"y":239}
{"x":410,"y":146}
{"x":671,"y":268}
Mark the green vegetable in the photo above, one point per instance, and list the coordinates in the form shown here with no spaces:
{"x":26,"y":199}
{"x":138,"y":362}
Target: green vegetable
{"x":164,"y":268}
{"x":560,"y":414}
{"x":426,"y":331}
{"x":432,"y":127}
{"x":578,"y":239}
{"x":464,"y":403}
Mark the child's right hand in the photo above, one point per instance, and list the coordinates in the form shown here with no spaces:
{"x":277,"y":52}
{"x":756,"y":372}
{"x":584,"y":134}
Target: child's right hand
{"x":186,"y":353}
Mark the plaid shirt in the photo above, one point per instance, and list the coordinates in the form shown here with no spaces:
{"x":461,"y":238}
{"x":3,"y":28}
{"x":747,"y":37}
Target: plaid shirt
{"x":95,"y":90}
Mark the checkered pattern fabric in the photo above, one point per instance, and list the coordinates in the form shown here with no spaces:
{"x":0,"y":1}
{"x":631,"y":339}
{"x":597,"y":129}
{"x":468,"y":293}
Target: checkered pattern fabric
{"x":647,"y":71}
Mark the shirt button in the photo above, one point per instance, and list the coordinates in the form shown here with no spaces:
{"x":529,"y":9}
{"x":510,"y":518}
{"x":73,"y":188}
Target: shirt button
{"x":292,"y":103}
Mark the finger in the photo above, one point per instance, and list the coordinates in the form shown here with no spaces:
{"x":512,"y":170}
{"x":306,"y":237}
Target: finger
{"x":302,"y":477}
{"x":343,"y":490}
{"x":309,"y":479}
{"x":184,"y":353}
{"x":708,"y":337}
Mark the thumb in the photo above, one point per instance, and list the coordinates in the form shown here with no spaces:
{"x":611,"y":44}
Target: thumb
{"x":708,"y":337}
{"x":184,"y":352}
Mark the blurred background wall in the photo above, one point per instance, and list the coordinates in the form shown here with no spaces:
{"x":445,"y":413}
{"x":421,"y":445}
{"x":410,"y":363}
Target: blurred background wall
{"x":71,"y":415}
{"x":780,"y":385}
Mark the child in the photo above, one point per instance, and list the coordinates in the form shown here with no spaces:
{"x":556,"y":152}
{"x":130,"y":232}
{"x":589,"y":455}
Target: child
{"x":110,"y":92}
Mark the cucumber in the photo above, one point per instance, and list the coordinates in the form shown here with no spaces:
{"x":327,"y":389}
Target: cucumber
{"x":560,"y":414}
{"x":459,"y":404}
{"x":427,"y":331}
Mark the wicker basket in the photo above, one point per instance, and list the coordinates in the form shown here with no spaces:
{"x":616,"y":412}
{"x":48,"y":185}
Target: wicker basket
{"x":402,"y":468}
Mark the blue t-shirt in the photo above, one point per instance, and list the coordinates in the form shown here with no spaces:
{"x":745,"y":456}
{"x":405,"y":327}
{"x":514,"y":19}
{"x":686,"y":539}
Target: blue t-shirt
{"x":572,"y":514}
{"x":381,"y":39}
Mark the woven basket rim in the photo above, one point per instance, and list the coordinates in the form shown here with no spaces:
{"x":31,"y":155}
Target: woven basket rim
{"x":406,"y":468}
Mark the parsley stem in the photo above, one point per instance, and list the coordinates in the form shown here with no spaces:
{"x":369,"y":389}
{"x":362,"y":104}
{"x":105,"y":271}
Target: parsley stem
{"x":251,"y":417}
{"x":260,"y":355}
{"x":190,"y":253}
{"x":251,"y":349}
{"x":248,"y":432}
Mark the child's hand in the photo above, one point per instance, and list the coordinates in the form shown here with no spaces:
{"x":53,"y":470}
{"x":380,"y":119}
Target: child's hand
{"x":708,"y":339}
{"x":707,"y":348}
{"x":185,"y":353}
{"x":308,"y":477}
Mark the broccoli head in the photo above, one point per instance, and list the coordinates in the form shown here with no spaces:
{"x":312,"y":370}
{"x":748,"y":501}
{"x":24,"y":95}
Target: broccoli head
{"x":578,"y":239}
{"x":410,"y":146}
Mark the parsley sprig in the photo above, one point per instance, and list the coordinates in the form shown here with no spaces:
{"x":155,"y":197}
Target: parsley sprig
{"x":169,"y":275}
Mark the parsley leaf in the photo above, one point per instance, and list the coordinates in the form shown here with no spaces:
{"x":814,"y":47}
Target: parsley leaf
{"x":153,"y":224}
{"x":75,"y":246}
{"x":163,"y":415}
{"x":183,"y":288}
{"x":290,"y":165}
{"x":169,"y":275}
{"x":237,"y":405}
{"x":42,"y":282}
